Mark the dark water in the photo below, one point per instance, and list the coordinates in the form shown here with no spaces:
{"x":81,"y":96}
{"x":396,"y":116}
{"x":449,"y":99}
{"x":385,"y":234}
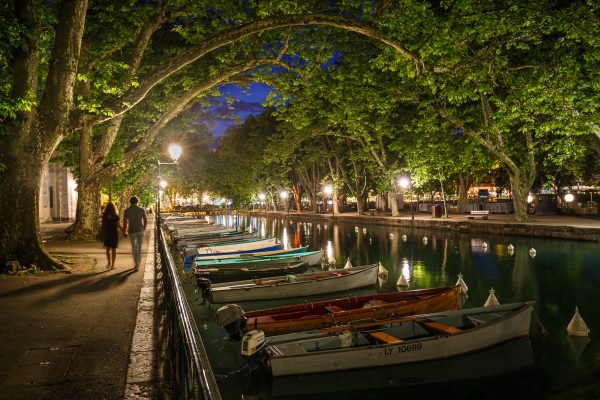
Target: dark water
{"x":548,"y":365}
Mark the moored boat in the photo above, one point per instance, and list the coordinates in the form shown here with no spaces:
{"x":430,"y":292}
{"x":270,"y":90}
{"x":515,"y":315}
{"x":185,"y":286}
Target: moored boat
{"x":365,"y":344}
{"x":322,"y":314}
{"x":232,"y":274}
{"x":291,"y":285}
{"x":312,"y":257}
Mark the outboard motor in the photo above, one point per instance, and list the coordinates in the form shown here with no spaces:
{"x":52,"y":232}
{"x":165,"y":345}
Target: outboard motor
{"x":232,"y":318}
{"x":252,"y":343}
{"x":204,"y":285}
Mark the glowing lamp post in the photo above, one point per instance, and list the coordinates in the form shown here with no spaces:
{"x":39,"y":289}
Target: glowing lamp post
{"x":328,"y":190}
{"x":405,"y":183}
{"x":569,"y":197}
{"x":284,"y":195}
{"x":262,"y":197}
{"x":174,"y":153}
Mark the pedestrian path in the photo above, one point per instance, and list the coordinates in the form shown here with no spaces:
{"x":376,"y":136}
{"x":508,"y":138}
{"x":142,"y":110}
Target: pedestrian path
{"x":69,"y":336}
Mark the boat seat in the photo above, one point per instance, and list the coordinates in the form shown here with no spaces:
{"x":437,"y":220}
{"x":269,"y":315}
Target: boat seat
{"x":442,"y":327}
{"x":333,"y":309}
{"x":384,"y":337}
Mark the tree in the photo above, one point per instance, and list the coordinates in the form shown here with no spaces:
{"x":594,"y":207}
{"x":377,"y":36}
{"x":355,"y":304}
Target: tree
{"x":34,"y":125}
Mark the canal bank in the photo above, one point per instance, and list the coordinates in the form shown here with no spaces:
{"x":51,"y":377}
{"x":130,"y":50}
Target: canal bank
{"x":543,"y":226}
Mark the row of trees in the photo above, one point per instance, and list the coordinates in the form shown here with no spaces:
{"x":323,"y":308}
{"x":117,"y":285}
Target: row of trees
{"x":509,"y":91}
{"x":367,"y":83}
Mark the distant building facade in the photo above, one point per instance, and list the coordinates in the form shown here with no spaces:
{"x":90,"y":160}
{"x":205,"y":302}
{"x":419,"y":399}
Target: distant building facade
{"x":58,"y":195}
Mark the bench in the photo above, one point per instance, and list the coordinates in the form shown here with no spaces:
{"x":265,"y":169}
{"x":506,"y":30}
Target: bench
{"x":333,"y":309}
{"x":384,"y":337}
{"x":372,"y":211}
{"x":479,"y":214}
{"x":442,"y":327}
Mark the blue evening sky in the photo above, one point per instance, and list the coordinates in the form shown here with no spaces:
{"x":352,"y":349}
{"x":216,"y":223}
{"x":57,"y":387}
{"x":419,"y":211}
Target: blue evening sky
{"x":249,"y":102}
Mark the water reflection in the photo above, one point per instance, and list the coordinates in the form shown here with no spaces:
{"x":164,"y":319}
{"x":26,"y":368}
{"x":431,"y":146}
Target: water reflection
{"x":563,"y":274}
{"x":508,"y":357}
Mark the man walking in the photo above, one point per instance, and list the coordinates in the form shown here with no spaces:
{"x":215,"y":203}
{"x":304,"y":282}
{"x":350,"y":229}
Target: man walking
{"x":134,"y":224}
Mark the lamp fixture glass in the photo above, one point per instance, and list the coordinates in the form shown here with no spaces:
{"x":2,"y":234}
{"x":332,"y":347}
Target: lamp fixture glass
{"x":162,"y":183}
{"x":404,"y":182}
{"x":174,"y":151}
{"x":569,"y":197}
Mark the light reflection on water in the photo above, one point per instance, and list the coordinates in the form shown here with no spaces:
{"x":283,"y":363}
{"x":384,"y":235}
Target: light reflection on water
{"x":562,"y":274}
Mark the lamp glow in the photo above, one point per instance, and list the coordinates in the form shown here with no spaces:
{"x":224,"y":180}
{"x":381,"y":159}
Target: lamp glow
{"x":162,"y":183}
{"x":283,"y":194}
{"x":404,"y":182}
{"x":328,"y":189}
{"x":174,"y":151}
{"x":529,"y":198}
{"x":569,"y":197}
{"x":262,"y":196}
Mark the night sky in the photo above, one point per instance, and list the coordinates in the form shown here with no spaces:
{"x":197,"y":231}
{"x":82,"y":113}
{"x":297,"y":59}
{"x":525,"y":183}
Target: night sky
{"x":249,"y":102}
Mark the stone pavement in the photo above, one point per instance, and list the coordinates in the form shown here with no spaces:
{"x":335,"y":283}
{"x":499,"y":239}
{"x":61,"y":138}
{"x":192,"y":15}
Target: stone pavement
{"x":72,"y":336}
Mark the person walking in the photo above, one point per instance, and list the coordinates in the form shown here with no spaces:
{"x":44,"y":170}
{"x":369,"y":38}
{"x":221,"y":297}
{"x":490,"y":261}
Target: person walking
{"x":134,"y":225}
{"x":110,"y":233}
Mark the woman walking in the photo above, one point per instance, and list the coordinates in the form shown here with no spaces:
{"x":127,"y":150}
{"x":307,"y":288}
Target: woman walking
{"x":110,"y":232}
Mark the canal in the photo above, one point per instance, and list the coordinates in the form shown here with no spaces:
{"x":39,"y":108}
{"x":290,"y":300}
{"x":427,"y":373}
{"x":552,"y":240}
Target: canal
{"x":558,"y":275}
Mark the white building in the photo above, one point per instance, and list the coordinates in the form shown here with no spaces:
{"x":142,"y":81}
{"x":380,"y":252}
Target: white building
{"x":58,"y":197}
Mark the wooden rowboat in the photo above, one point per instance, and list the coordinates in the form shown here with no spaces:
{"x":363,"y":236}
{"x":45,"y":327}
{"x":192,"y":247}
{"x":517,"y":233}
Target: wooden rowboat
{"x":232,"y":274}
{"x":365,"y":344}
{"x":291,"y":285}
{"x":322,"y":314}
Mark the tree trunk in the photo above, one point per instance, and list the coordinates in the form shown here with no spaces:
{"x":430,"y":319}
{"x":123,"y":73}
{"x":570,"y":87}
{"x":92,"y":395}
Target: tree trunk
{"x":361,"y":205}
{"x":20,"y":238}
{"x":393,"y":202}
{"x":87,"y":221}
{"x":520,"y":190}
{"x":463,"y":193}
{"x":334,"y":204}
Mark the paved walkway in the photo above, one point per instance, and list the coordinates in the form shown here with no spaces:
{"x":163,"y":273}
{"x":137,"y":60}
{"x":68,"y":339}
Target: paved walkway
{"x":91,"y":334}
{"x":69,"y":336}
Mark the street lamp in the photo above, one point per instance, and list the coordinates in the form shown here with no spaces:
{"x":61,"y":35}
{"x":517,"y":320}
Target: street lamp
{"x":404,"y":183}
{"x":174,"y":153}
{"x":262,"y":197}
{"x":284,"y":195}
{"x":328,"y":190}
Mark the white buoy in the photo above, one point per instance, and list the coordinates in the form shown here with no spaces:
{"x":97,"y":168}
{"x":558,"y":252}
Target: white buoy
{"x":365,"y":231}
{"x":491,"y":300}
{"x":324,"y":226}
{"x":424,"y":239}
{"x":402,"y":282}
{"x":356,"y":229}
{"x":511,"y":252}
{"x":463,"y":286}
{"x":348,"y":263}
{"x":484,"y":245}
{"x":404,"y":238}
{"x":511,"y":248}
{"x":391,"y":235}
{"x":370,"y":240}
{"x":577,"y":326}
{"x":382,"y":272}
{"x":532,"y":252}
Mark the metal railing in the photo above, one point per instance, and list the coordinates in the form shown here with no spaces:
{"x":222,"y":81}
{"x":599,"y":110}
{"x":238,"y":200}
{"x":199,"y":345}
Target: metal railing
{"x":190,"y":368}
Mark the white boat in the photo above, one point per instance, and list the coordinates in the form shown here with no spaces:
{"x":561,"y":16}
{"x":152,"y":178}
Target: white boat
{"x":366,"y":344}
{"x":231,"y":248}
{"x":311,"y":257}
{"x":290,"y":285}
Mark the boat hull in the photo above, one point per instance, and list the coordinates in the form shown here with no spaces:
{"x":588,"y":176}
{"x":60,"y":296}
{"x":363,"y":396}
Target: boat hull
{"x":293,"y":357}
{"x":301,"y":285}
{"x":316,"y":315}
